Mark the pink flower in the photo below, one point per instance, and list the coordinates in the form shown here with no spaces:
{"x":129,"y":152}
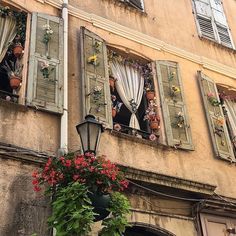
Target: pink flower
{"x":152,"y":137}
{"x":117,"y":127}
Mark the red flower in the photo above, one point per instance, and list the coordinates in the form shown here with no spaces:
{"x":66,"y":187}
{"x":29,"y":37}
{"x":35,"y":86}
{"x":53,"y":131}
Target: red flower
{"x":68,"y":163}
{"x":37,"y":188}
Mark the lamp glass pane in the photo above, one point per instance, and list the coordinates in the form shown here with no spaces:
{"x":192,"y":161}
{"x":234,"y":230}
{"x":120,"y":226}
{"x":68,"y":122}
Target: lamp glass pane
{"x":94,"y":133}
{"x":83,"y":132}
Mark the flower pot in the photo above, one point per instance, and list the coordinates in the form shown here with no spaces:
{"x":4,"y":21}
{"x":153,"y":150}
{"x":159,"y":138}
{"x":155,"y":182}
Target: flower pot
{"x":17,"y":50}
{"x":154,"y":125}
{"x":113,"y":112}
{"x":150,"y":95}
{"x":100,"y":203}
{"x":15,"y":82}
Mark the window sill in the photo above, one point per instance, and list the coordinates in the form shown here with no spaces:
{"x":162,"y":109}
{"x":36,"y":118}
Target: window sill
{"x":217,"y":44}
{"x":13,"y":106}
{"x":138,"y":140}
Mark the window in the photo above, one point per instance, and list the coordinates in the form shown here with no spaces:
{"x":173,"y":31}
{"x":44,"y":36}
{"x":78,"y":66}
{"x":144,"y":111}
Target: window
{"x":119,"y":90}
{"x":216,"y":121}
{"x":228,"y":100}
{"x":45,"y":69}
{"x":213,"y":225}
{"x":211,"y":21}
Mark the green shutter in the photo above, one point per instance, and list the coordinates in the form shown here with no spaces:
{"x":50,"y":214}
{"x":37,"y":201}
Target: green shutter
{"x":178,"y":132}
{"x":46,"y":93}
{"x":95,"y":75}
{"x":219,"y":133}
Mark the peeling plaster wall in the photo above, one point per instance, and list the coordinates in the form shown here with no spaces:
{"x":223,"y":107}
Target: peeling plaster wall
{"x":23,"y":212}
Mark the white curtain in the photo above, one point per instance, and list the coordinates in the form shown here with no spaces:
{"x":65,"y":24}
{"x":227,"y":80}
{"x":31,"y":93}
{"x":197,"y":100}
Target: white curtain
{"x":231,"y":113}
{"x":7,"y":34}
{"x":129,"y":86}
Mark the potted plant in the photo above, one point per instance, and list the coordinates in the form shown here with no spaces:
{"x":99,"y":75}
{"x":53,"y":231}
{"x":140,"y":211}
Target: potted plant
{"x":14,"y":71}
{"x":85,"y":188}
{"x":17,"y":50}
{"x":152,"y":116}
{"x":150,"y":94}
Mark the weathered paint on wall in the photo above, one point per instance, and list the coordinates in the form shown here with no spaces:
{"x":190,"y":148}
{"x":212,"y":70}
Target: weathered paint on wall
{"x":167,"y":21}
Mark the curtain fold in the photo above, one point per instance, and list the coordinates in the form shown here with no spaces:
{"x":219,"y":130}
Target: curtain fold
{"x":231,"y":114}
{"x":7,"y":32}
{"x":129,"y":86}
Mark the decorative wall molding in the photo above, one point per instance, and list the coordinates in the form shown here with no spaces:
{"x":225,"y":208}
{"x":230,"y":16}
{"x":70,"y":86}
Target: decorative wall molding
{"x":147,"y":40}
{"x":168,"y":181}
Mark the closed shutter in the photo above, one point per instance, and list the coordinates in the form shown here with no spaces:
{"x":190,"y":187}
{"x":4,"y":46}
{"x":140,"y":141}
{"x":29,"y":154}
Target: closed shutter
{"x":46,"y":93}
{"x":177,"y":126}
{"x":221,"y":23}
{"x":204,"y":19}
{"x":215,"y":118}
{"x":95,"y":82}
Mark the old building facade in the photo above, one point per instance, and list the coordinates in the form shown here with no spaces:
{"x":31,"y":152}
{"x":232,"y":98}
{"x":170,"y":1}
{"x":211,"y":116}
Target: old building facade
{"x":182,"y":167}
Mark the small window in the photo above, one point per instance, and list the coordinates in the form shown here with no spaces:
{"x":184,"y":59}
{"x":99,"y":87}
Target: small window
{"x":12,"y":41}
{"x":211,"y":21}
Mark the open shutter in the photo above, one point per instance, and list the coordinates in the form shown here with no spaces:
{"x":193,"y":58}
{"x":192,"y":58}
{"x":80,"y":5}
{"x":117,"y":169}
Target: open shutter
{"x":95,"y":82}
{"x":177,"y":126}
{"x":215,"y":118}
{"x":46,"y":93}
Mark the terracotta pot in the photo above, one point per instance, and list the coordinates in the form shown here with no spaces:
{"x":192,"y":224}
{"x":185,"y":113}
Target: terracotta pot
{"x":17,"y":50}
{"x":150,"y":95}
{"x":15,"y":82}
{"x":113,"y":112}
{"x":100,"y":203}
{"x":154,"y":125}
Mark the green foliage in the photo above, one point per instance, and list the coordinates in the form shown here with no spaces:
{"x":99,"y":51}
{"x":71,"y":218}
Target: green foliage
{"x":115,"y":224}
{"x":72,"y":212}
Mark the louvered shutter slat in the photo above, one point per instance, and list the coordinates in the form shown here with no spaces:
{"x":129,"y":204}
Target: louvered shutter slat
{"x":224,"y":36}
{"x":94,"y":76}
{"x":206,"y":27}
{"x":137,"y":3}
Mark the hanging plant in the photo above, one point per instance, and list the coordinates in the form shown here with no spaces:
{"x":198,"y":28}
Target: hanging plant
{"x":179,"y":120}
{"x":48,"y":32}
{"x":174,"y":90}
{"x":72,"y":180}
{"x":46,"y":70}
{"x":213,"y":100}
{"x":93,"y":60}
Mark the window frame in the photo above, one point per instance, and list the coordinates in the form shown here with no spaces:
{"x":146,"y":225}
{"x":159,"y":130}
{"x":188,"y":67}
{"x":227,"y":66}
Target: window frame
{"x":133,"y":5}
{"x":214,"y":25}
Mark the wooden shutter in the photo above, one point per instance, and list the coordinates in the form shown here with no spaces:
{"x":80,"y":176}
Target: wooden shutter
{"x":168,"y":76}
{"x":46,"y":93}
{"x":136,"y":3}
{"x":95,"y":75}
{"x":219,"y":132}
{"x":204,"y":19}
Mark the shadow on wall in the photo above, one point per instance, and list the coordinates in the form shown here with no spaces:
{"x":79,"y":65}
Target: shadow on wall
{"x":26,"y":213}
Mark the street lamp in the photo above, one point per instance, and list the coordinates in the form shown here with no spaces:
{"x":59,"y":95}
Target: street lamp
{"x":89,"y":131}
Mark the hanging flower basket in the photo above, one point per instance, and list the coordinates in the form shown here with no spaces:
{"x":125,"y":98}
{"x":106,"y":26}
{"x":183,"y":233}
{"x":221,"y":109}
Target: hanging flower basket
{"x":17,"y":50}
{"x":85,"y":189}
{"x":15,"y":82}
{"x":100,"y":202}
{"x":150,"y":95}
